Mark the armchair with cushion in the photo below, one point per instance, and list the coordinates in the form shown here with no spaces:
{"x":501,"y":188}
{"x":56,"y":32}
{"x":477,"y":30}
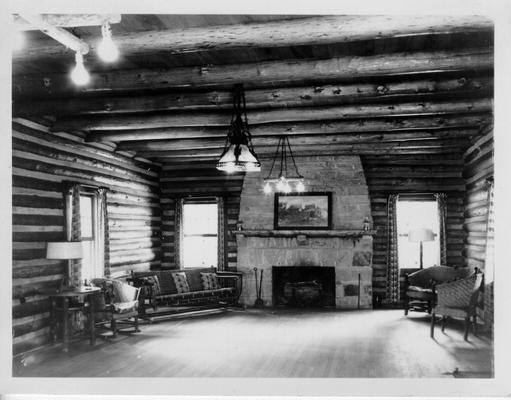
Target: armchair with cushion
{"x":419,"y":286}
{"x":458,"y":299}
{"x":117,"y":308}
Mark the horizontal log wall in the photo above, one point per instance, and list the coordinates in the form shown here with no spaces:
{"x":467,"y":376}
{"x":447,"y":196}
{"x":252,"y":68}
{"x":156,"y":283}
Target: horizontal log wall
{"x":478,"y":168}
{"x":198,"y":179}
{"x":41,"y":160}
{"x":414,"y":174}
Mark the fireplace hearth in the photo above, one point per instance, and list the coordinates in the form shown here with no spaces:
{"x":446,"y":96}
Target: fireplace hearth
{"x":299,"y":286}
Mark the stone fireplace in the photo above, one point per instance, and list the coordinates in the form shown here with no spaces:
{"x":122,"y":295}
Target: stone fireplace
{"x":346,"y":249}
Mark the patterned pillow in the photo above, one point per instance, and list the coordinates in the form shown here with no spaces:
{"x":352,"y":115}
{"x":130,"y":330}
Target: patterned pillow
{"x":123,"y":292}
{"x":181,"y":282}
{"x":209,"y":281}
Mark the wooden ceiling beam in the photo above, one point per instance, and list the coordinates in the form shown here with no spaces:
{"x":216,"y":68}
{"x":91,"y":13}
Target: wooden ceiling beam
{"x":59,"y":34}
{"x":64,"y":21}
{"x":269,"y":147}
{"x":256,"y":117}
{"x":124,"y":139}
{"x":267,"y":152}
{"x":305,"y":128}
{"x":317,"y":30}
{"x":408,"y":138}
{"x":322,"y":95}
{"x":254,"y":75}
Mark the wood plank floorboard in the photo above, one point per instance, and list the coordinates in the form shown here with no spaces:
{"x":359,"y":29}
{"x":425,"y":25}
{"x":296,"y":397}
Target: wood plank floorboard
{"x":279,"y":343}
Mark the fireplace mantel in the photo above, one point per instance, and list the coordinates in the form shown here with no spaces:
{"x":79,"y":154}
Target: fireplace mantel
{"x":331,"y":233}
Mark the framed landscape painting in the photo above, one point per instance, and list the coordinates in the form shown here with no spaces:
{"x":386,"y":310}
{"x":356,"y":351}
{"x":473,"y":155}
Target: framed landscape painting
{"x":312,"y":210}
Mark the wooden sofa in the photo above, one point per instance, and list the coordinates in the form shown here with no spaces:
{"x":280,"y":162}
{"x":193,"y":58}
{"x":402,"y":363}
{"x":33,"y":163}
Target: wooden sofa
{"x":419,"y":286}
{"x":159,"y":289}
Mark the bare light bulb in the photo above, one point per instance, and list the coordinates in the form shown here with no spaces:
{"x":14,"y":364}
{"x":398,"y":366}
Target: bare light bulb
{"x":281,"y":184}
{"x":230,"y":167}
{"x":79,"y":75}
{"x":300,"y":187}
{"x":267,"y":188}
{"x":107,"y":49}
{"x":287,"y":187}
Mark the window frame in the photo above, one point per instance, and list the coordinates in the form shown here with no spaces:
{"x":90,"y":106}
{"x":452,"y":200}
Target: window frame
{"x":98,"y":267}
{"x":220,"y":254}
{"x":419,"y":198}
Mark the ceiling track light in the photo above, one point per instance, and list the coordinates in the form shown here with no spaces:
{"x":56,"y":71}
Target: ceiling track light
{"x":107,"y":50}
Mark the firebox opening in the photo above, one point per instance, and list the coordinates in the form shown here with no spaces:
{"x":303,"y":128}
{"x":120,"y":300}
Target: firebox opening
{"x":304,"y":286}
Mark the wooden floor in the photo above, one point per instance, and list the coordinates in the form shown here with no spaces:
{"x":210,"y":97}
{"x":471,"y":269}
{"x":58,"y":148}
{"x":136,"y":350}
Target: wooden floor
{"x":279,"y":343}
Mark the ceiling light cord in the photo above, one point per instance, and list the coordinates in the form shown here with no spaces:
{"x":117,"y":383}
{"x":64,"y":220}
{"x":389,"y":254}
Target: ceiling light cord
{"x":107,"y":50}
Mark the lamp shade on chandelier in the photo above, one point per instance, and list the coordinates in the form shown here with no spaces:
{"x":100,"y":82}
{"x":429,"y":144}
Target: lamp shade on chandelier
{"x":239,"y":154}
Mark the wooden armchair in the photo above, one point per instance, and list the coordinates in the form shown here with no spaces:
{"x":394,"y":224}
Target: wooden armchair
{"x":419,"y":286}
{"x":118,"y":307}
{"x":458,"y":299}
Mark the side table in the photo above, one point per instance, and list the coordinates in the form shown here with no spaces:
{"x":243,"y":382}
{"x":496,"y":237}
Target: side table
{"x":85,"y":291}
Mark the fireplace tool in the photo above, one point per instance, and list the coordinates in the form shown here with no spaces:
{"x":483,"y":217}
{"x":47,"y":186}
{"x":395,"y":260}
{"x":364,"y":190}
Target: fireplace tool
{"x":259,"y":301}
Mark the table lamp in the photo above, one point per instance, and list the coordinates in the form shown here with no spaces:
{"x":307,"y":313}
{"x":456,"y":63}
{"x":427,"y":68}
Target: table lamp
{"x":421,"y":235}
{"x":64,"y":251}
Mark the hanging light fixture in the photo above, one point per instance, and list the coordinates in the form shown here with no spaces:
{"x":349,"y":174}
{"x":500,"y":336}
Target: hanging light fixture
{"x":239,"y":154}
{"x":107,"y":49}
{"x":79,"y":74}
{"x":284,"y":181}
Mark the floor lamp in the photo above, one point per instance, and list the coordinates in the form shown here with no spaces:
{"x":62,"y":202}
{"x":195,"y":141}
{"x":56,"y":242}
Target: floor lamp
{"x":65,"y":251}
{"x":421,"y":235}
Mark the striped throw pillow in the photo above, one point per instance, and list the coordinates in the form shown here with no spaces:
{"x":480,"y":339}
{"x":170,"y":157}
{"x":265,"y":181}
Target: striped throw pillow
{"x":209,"y":281}
{"x":181,"y":282}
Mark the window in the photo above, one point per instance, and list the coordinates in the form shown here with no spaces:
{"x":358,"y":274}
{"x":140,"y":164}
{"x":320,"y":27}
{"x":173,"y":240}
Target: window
{"x":200,"y":234}
{"x":489,"y":260}
{"x":413,"y":215}
{"x":91,"y":233}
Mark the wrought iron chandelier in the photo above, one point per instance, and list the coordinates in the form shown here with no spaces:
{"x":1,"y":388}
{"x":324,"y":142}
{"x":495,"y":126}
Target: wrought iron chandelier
{"x":284,"y":180}
{"x":239,"y":154}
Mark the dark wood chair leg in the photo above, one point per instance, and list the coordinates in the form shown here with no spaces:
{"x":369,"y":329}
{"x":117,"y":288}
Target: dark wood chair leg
{"x":113,"y":326}
{"x":474,"y":324}
{"x":467,"y":325}
{"x":432,"y":329}
{"x":54,"y":322}
{"x":136,"y":325}
{"x":406,"y":306}
{"x":443,"y":323}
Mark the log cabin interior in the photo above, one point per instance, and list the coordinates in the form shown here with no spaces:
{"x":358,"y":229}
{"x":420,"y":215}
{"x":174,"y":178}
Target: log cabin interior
{"x":251,"y":194}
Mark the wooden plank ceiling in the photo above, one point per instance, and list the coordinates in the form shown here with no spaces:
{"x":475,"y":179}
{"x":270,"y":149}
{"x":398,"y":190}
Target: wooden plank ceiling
{"x":369,"y":85}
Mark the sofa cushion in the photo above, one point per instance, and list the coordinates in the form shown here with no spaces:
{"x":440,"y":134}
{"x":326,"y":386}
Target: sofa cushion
{"x":437,"y":274}
{"x":181,"y":282}
{"x":209,"y":281}
{"x":123,"y":292}
{"x":193,"y":275}
{"x":416,"y":292}
{"x":200,"y":293}
{"x":166,"y":282}
{"x":126,"y":307}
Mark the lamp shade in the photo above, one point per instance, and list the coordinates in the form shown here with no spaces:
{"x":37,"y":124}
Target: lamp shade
{"x":239,"y":154}
{"x":238,"y":158}
{"x":64,"y":250}
{"x":421,"y":235}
